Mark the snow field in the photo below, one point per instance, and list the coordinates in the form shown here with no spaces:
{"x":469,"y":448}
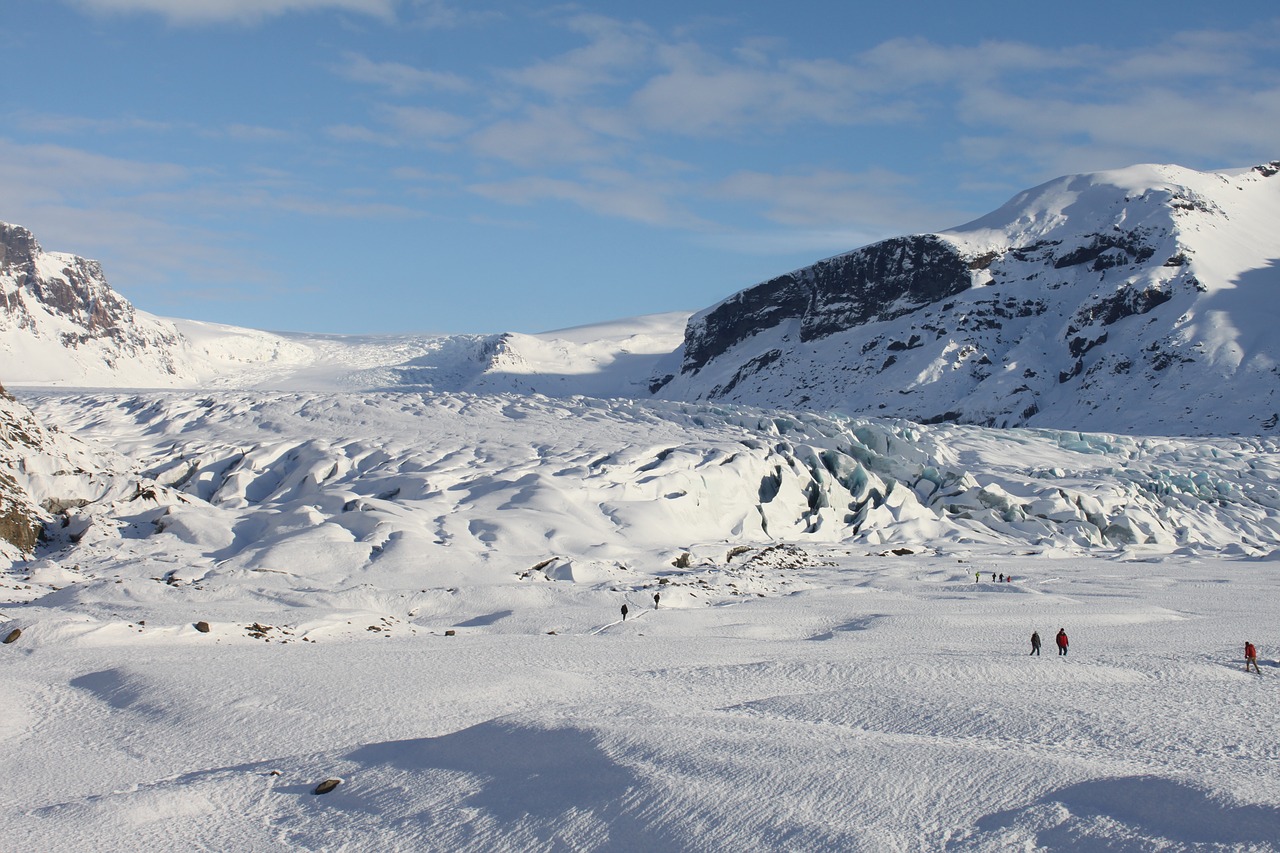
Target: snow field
{"x":823,"y":672}
{"x":889,"y":705}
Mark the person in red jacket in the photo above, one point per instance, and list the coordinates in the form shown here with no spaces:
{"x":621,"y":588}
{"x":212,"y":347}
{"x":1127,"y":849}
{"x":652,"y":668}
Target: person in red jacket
{"x":1062,"y":641}
{"x":1250,"y":657}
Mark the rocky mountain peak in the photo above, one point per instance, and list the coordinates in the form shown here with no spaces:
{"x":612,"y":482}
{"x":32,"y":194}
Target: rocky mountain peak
{"x":64,"y":285}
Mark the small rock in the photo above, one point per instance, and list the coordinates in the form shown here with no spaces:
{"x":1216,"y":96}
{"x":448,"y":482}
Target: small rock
{"x":202,"y":627}
{"x":326,"y":786}
{"x":450,"y":633}
{"x":13,"y":636}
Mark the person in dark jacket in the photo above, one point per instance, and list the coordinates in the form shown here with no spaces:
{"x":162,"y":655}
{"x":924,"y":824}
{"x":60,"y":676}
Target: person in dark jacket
{"x":1035,"y":643}
{"x":624,"y":613}
{"x":1251,"y":657}
{"x":1062,"y":641}
{"x":657,"y":596}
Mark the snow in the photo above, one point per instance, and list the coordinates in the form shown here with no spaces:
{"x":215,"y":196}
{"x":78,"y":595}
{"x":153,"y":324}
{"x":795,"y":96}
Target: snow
{"x":419,"y":594}
{"x":400,"y":562}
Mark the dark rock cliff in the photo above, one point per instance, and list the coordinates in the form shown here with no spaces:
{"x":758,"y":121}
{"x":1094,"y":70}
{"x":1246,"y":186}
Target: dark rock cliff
{"x":20,"y":522}
{"x":879,"y":282}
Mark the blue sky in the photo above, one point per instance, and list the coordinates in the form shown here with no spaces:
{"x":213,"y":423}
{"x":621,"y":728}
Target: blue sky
{"x":425,"y":165}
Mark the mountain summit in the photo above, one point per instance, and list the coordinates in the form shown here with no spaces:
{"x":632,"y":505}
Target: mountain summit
{"x":1141,"y":300}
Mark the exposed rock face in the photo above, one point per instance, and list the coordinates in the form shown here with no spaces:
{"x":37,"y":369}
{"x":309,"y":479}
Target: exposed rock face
{"x":879,"y":282}
{"x":44,"y":474}
{"x":1141,"y":300}
{"x":68,"y":286}
{"x":61,"y":322}
{"x":20,"y":522}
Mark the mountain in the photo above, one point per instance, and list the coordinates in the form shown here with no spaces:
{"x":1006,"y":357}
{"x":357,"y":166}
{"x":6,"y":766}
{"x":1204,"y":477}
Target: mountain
{"x":1142,"y":300}
{"x":61,"y":323}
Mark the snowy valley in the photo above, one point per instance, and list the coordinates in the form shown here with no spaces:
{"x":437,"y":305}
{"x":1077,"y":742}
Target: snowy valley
{"x":759,"y":577}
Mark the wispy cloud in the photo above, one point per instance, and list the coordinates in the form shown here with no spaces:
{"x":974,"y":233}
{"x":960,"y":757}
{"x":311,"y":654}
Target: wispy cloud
{"x":104,"y":207}
{"x":196,"y":12}
{"x":397,"y":77}
{"x":878,"y":200}
{"x":606,"y":192}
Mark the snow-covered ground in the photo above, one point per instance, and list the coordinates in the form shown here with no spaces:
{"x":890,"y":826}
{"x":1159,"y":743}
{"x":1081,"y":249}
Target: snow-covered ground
{"x":420,"y":595}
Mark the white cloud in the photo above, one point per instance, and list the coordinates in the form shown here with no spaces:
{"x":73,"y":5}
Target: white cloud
{"x":105,"y":208}
{"x":423,"y":124}
{"x":543,"y":136}
{"x":398,"y":78}
{"x":194,"y":12}
{"x":829,"y":201}
{"x":608,"y":193}
{"x":614,"y":50}
{"x":54,"y":124}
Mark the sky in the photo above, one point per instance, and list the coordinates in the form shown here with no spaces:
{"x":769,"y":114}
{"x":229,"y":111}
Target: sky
{"x":379,"y":166}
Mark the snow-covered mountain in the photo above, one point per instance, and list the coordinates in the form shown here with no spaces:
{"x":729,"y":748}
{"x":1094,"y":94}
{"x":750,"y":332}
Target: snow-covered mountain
{"x":1143,"y":300}
{"x":61,"y":324}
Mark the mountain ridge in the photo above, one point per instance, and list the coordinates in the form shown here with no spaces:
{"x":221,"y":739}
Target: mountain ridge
{"x":1138,"y":300}
{"x":1059,"y":309}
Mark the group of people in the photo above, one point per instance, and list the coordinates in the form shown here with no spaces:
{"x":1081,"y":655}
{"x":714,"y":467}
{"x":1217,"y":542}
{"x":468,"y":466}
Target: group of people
{"x":977,"y":577}
{"x":1060,"y":639}
{"x":1250,"y":650}
{"x":657,"y":596}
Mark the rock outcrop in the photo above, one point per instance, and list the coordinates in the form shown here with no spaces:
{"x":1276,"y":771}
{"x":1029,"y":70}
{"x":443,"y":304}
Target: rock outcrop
{"x":20,"y":519}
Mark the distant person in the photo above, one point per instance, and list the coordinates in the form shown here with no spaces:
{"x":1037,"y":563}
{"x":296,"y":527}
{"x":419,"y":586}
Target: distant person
{"x":1250,"y":657}
{"x":993,"y":576}
{"x":977,"y":576}
{"x":1002,"y":577}
{"x":1008,"y":578}
{"x":656,"y":597}
{"x":1062,"y":641}
{"x":624,"y":613}
{"x":1035,"y":643}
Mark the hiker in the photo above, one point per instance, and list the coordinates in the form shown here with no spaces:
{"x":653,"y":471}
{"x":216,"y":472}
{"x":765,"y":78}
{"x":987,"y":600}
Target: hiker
{"x":977,"y":576}
{"x":1250,"y":657}
{"x":993,"y":576}
{"x":624,"y":613}
{"x":656,"y":596}
{"x":1008,"y":578}
{"x":1062,"y":641}
{"x":1035,"y":643}
{"x":1001,"y":577}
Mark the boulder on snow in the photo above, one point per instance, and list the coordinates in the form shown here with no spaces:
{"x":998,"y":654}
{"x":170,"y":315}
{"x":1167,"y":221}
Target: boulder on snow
{"x":13,"y":636}
{"x":326,"y":786}
{"x":202,"y":627}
